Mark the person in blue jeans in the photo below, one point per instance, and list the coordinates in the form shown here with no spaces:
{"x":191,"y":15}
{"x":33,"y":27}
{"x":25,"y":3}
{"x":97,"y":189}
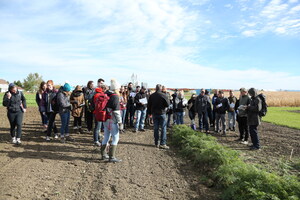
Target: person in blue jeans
{"x":181,"y":103}
{"x":201,"y":103}
{"x":157,"y":107}
{"x":140,"y":101}
{"x":63,"y":100}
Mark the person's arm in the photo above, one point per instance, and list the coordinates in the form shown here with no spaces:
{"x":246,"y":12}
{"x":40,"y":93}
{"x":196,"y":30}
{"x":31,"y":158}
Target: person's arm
{"x":6,"y":99}
{"x":149,"y":105}
{"x":256,"y":107}
{"x":23,"y":101}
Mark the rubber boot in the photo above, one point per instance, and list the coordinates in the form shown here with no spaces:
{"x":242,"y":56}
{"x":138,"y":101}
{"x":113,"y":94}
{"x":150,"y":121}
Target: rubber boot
{"x":104,"y":155}
{"x":112,"y":153}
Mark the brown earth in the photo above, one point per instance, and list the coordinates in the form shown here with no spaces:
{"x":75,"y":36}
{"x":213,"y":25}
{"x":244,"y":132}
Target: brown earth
{"x":52,"y":170}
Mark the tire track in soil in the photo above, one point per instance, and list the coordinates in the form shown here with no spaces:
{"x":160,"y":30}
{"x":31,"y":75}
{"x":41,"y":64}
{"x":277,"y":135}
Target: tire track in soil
{"x":41,"y":170}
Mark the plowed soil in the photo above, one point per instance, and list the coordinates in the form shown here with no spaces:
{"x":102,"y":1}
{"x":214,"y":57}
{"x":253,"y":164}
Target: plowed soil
{"x":52,"y":170}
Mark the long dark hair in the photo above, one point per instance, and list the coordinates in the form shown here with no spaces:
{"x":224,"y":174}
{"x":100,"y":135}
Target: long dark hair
{"x":41,"y":87}
{"x":89,"y":84}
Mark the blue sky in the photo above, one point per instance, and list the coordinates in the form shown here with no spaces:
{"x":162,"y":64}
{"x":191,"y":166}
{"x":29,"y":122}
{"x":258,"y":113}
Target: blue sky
{"x":178,"y":43}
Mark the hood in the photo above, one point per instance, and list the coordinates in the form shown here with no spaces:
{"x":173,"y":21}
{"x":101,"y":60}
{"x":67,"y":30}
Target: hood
{"x":252,"y":92}
{"x":78,"y":88}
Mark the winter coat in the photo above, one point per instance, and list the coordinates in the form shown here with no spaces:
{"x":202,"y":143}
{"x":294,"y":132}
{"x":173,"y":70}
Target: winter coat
{"x":158,"y":103}
{"x":47,"y":97}
{"x":245,"y":101}
{"x":191,"y":104}
{"x":181,"y":103}
{"x":201,"y":103}
{"x":224,"y":107}
{"x":63,"y":100}
{"x":231,"y":100}
{"x":77,"y":100}
{"x":16,"y":103}
{"x":253,"y":117}
{"x":39,"y":101}
{"x":113,"y":105}
{"x":214,"y":99}
{"x":138,"y":105}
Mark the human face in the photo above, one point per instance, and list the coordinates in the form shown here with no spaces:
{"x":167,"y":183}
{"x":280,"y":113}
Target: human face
{"x":50,"y":86}
{"x":44,"y":87}
{"x":231,"y":94}
{"x":91,"y":85}
{"x":122,"y":89}
{"x":220,"y":95}
{"x":100,"y":83}
{"x":13,"y":90}
{"x":202,"y":92}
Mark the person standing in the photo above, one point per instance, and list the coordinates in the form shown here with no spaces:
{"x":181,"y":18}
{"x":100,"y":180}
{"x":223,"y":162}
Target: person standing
{"x":88,"y":96}
{"x":214,"y":99}
{"x":221,"y":108}
{"x":157,"y":106}
{"x":209,"y":110}
{"x":50,"y":103}
{"x":181,"y":104}
{"x":15,"y":102}
{"x":140,"y":101}
{"x":77,"y":101}
{"x":123,"y":102}
{"x":253,"y":118}
{"x":113,"y":125}
{"x":174,"y":96}
{"x":192,"y":112}
{"x":201,"y":103}
{"x":244,"y":101}
{"x":231,"y":111}
{"x":63,"y":101}
{"x":42,"y":108}
{"x":130,"y":105}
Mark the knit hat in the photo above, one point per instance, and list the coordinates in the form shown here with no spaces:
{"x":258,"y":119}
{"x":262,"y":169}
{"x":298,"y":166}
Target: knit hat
{"x":114,"y":85}
{"x":11,"y":85}
{"x":243,"y":90}
{"x":67,"y":87}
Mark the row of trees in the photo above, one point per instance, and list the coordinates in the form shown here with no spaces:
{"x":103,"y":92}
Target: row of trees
{"x":31,"y":83}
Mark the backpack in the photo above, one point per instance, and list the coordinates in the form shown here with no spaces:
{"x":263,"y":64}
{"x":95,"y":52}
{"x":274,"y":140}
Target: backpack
{"x":264,"y":107}
{"x":101,"y":112}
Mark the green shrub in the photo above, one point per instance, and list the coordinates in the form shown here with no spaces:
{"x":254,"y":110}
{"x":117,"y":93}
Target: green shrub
{"x":238,"y":180}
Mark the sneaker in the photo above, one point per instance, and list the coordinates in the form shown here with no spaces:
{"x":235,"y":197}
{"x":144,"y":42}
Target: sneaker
{"x":48,"y":139}
{"x":56,"y":136}
{"x":19,"y":141}
{"x":254,"y":148}
{"x":135,"y":131}
{"x":157,"y":146}
{"x":97,"y":144}
{"x":164,"y":147}
{"x":143,"y":130}
{"x":114,"y":160}
{"x":244,"y":142}
{"x":14,"y":140}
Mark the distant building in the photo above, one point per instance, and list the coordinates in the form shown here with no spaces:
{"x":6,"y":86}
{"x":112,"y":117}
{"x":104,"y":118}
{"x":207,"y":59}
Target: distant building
{"x":3,"y":85}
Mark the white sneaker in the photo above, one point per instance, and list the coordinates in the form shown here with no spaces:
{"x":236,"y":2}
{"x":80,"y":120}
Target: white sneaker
{"x":47,"y":138}
{"x":19,"y":141}
{"x":245,"y":142}
{"x":97,"y":144}
{"x":56,"y":136}
{"x":14,"y":140}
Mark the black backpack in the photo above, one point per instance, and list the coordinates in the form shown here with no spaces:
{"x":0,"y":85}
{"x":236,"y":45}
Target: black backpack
{"x":264,"y":106}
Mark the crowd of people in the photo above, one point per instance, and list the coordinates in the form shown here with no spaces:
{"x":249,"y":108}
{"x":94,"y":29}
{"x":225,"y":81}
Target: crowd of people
{"x":113,"y":109}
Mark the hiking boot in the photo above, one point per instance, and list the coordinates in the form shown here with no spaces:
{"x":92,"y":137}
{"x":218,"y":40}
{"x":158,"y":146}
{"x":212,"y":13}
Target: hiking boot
{"x":143,"y":130}
{"x":112,"y":153}
{"x":254,"y":148}
{"x":14,"y":140}
{"x":164,"y":146}
{"x":244,"y":142}
{"x":18,"y":141}
{"x":47,"y":139}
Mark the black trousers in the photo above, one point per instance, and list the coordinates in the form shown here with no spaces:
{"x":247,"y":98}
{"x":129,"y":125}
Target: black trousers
{"x":51,"y":123}
{"x":89,"y":120}
{"x":243,"y":128}
{"x":77,"y":121}
{"x":15,"y":120}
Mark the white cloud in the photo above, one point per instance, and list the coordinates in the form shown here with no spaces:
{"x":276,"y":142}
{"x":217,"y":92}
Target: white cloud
{"x":249,"y":33}
{"x":293,"y":1}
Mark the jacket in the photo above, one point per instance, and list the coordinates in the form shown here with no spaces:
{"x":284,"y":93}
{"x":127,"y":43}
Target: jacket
{"x":253,"y":117}
{"x":63,"y":100}
{"x":138,"y":105}
{"x":181,"y":103}
{"x":224,"y":107}
{"x":47,"y":97}
{"x":214,"y":99}
{"x":232,"y":100}
{"x":158,"y":103}
{"x":77,"y":101}
{"x":201,"y":103}
{"x":15,"y":103}
{"x":113,"y":105}
{"x":243,"y":101}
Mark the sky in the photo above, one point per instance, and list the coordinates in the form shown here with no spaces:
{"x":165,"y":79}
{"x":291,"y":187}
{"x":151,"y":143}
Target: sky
{"x":177,"y":43}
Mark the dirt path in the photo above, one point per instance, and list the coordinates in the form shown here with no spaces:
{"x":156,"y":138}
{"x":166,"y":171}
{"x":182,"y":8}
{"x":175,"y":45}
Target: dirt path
{"x":41,"y":170}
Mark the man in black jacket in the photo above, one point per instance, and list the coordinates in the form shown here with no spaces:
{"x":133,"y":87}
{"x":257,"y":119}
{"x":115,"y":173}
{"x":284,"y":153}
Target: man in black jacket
{"x":157,"y":107}
{"x":222,"y":106}
{"x":140,"y":101}
{"x":201,"y":103}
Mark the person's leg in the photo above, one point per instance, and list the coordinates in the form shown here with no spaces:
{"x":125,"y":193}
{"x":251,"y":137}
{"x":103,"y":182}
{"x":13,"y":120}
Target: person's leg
{"x":107,"y":132}
{"x":230,"y":120}
{"x":246,"y":129}
{"x":163,"y":125}
{"x":63,"y":119}
{"x":50,"y":123}
{"x":142,"y":120}
{"x":174,"y":117}
{"x":218,"y":116}
{"x":205,"y":121}
{"x":138,"y":118}
{"x":254,"y":136}
{"x":200,"y":118}
{"x":223,"y":120}
{"x":181,"y":118}
{"x":132,"y":110}
{"x":114,"y":143}
{"x":11,"y":119}
{"x":19,"y":120}
{"x":97,"y":130}
{"x":233,"y":120}
{"x":241,"y":128}
{"x":67,"y":124}
{"x":214,"y":118}
{"x":168,"y":120}
{"x":156,"y":128}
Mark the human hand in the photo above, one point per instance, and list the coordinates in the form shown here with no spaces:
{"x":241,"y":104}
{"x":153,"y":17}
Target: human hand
{"x":8,"y":95}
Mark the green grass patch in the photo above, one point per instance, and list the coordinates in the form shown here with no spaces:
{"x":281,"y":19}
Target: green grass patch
{"x":30,"y":99}
{"x":283,"y":116}
{"x":237,"y":179}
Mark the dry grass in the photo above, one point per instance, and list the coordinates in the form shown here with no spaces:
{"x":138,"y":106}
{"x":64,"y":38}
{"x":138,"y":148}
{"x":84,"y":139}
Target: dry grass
{"x":283,"y":99}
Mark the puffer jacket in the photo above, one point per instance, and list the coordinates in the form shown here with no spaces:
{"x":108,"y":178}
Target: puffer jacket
{"x":63,"y":100}
{"x":253,"y":117}
{"x":15,"y":103}
{"x":77,"y":101}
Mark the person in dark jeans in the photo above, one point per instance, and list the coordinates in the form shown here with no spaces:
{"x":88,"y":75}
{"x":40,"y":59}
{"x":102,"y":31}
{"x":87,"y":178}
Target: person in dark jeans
{"x":130,"y":106}
{"x":254,"y":119}
{"x":15,"y":102}
{"x":214,"y":99}
{"x":192,"y":112}
{"x":244,"y":100}
{"x":51,"y":110}
{"x":88,"y":112}
{"x":157,"y":106}
{"x":201,"y":103}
